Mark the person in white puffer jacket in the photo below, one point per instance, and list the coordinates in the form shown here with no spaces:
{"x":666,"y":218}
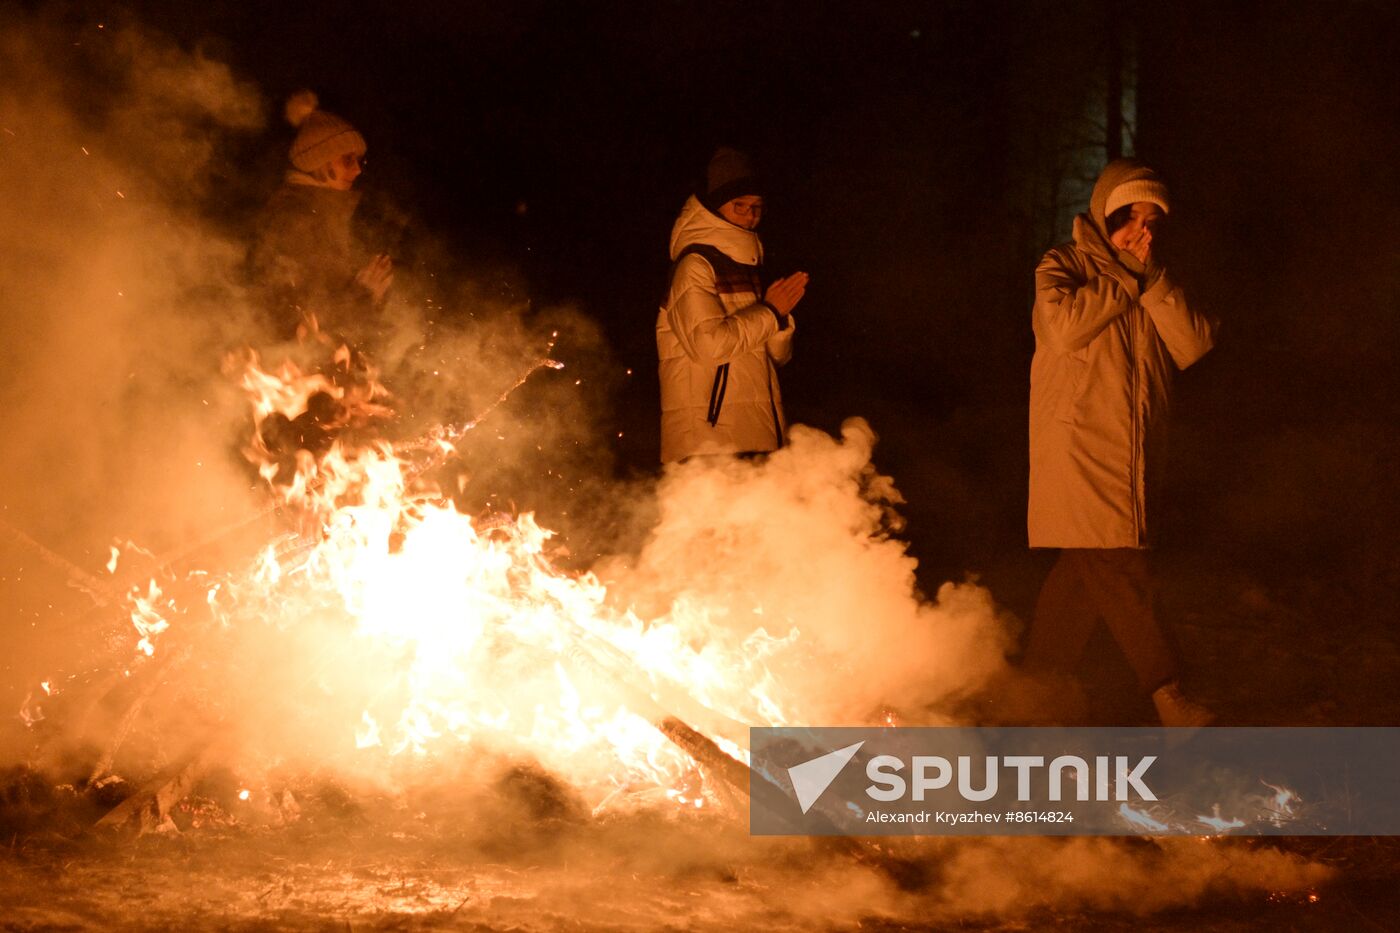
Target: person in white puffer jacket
{"x":720,"y":335}
{"x":1111,"y":326}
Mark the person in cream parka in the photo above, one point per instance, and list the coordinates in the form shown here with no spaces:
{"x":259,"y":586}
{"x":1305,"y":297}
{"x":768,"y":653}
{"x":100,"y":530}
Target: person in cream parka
{"x":1110,"y":326}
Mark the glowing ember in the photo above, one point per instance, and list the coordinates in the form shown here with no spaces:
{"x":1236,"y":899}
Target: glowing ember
{"x":368,"y":734}
{"x":146,"y":615}
{"x":1140,"y":820}
{"x":1219,"y":824}
{"x":1281,"y":806}
{"x":29,"y":712}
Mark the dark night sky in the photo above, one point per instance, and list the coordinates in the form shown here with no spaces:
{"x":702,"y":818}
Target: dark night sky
{"x":900,"y":138}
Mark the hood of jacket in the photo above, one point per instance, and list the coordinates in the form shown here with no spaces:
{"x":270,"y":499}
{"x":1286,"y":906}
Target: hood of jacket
{"x":698,"y":224}
{"x":1091,"y":229}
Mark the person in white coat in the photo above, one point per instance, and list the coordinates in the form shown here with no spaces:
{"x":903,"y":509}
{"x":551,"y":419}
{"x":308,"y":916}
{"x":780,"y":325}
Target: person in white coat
{"x":1110,"y":327}
{"x":721,"y":336}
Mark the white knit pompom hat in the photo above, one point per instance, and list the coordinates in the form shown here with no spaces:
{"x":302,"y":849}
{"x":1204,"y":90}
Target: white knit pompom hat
{"x":1139,"y":189}
{"x":321,"y":136}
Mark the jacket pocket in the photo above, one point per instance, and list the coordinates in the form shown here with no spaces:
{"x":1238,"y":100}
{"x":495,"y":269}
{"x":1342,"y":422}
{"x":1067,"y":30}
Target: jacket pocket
{"x":1073,"y":386}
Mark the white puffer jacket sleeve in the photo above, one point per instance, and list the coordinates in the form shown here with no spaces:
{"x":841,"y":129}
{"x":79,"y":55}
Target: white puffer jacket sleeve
{"x":706,"y":334}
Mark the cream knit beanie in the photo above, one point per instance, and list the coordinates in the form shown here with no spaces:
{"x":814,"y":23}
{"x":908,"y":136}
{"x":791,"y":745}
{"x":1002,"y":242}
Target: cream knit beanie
{"x":1139,"y":189}
{"x":321,"y":136}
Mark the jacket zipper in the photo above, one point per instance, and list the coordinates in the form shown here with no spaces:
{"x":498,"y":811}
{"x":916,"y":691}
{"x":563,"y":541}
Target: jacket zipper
{"x":1136,"y":459}
{"x":773,"y":403}
{"x":717,"y":394}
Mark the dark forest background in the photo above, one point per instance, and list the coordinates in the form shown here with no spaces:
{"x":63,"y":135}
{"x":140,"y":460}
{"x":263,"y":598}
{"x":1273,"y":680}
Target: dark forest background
{"x":922,"y":157}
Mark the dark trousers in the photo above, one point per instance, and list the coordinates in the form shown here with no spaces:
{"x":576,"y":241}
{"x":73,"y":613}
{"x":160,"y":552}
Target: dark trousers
{"x":1088,"y":584}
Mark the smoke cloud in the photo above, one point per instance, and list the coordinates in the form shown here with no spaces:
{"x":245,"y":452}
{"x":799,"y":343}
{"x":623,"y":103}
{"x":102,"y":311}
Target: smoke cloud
{"x":118,"y":297}
{"x":803,"y":547}
{"x":118,"y":300}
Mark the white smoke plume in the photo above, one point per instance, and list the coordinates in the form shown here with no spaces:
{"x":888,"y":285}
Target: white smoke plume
{"x":803,"y":546}
{"x":116,"y":301}
{"x":117,"y":297}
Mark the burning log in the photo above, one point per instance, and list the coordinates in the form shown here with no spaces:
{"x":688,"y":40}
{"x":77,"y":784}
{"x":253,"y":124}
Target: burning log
{"x":908,"y":874}
{"x":149,"y":809}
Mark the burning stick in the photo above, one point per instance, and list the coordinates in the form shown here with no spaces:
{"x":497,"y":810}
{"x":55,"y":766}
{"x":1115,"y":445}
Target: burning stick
{"x":105,"y":596}
{"x":97,"y":590}
{"x":133,"y":711}
{"x":599,"y":654}
{"x":443,"y":440}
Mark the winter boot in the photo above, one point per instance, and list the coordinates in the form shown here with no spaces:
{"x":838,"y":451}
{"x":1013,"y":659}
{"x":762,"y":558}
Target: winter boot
{"x":1174,"y":709}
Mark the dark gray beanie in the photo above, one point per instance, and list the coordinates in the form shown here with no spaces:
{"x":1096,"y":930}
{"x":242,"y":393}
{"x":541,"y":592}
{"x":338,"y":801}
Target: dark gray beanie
{"x":730,"y":175}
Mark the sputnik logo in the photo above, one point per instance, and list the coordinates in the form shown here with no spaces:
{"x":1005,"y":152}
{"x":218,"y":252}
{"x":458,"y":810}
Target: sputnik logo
{"x":811,"y":778}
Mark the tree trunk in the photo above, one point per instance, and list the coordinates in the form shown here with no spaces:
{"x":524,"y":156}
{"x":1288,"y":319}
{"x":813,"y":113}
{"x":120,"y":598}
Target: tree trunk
{"x":1113,"y":97}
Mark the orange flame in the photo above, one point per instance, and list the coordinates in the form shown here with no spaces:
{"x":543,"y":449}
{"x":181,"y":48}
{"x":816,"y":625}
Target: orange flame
{"x":426,"y":626}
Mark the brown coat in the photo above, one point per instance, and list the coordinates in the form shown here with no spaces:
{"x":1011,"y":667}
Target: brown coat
{"x":305,"y":259}
{"x":1108,"y":334}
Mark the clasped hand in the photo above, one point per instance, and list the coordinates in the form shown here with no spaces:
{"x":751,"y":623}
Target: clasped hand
{"x":376,"y":276}
{"x":784,"y":294}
